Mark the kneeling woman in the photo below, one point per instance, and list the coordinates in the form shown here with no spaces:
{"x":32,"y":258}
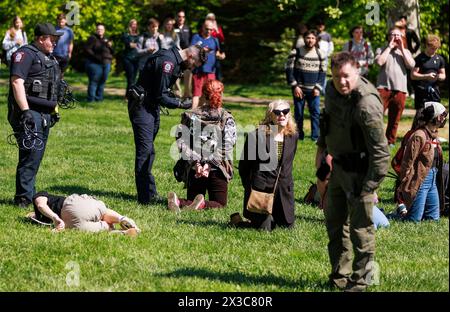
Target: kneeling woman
{"x":82,"y":212}
{"x":421,"y":171}
{"x":266,"y":166}
{"x":205,"y":139}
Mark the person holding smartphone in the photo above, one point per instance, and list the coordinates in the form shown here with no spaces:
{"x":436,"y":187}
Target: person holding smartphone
{"x":394,"y":60}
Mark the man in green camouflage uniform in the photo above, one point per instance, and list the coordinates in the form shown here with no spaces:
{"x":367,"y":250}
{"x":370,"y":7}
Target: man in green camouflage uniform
{"x":352,"y":132}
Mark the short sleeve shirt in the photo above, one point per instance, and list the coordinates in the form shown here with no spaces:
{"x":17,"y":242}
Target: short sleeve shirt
{"x":22,"y":63}
{"x":428,"y":65}
{"x":62,"y":47}
{"x":211,"y":43}
{"x":53,"y":201}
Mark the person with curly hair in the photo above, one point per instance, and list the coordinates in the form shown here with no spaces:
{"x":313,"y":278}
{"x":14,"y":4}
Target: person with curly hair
{"x":205,"y":139}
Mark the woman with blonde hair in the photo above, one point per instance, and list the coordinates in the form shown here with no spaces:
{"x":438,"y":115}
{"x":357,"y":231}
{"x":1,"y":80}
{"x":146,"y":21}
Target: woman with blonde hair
{"x":171,"y":38}
{"x":15,"y":37}
{"x":266,"y":166}
{"x":205,"y":139}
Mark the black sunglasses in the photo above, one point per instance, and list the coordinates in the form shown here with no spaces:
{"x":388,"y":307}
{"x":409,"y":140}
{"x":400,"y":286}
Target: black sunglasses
{"x":279,"y":111}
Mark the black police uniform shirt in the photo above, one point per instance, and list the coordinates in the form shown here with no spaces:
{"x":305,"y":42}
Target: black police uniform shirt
{"x":428,"y":65}
{"x":159,"y":75}
{"x":53,"y":201}
{"x":22,"y":64}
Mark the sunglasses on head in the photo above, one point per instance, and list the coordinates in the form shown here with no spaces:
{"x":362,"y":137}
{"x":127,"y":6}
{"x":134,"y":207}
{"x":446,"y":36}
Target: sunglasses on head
{"x":279,"y":111}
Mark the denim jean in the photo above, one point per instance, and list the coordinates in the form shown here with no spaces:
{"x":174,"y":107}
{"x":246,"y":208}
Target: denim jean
{"x":379,"y":219}
{"x":97,"y":74}
{"x":426,"y":204}
{"x":314,"y":112}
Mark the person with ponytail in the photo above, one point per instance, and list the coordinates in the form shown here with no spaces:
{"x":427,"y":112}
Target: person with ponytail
{"x":421,"y":171}
{"x":205,"y":138}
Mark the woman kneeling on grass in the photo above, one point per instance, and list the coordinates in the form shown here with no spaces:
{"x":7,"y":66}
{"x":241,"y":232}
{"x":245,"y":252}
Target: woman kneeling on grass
{"x":421,"y":171}
{"x":266,"y":166}
{"x":205,"y":139}
{"x":82,"y":212}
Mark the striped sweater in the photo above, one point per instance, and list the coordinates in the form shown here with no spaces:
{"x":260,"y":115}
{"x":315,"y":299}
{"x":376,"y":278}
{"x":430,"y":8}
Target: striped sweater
{"x":306,"y":69}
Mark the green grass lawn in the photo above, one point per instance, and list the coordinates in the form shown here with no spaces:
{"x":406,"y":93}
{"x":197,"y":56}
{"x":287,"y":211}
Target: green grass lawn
{"x":91,"y":150}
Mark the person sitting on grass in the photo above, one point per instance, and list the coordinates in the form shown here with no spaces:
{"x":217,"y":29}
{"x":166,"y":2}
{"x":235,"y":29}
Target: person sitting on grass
{"x":205,"y":139}
{"x":82,"y":212}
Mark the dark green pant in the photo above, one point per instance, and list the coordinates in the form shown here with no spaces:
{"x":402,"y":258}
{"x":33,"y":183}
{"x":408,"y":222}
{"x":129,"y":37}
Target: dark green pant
{"x":350,"y":228}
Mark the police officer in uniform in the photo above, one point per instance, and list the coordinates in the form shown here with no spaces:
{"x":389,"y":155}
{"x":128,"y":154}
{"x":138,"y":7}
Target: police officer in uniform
{"x":151,"y":92}
{"x":32,"y":98}
{"x":352,"y":132}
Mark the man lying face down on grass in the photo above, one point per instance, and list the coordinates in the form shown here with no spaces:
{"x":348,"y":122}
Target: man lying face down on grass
{"x":82,"y":212}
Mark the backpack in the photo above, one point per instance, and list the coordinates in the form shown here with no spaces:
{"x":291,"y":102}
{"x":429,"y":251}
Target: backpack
{"x":396,"y":162}
{"x":350,"y":46}
{"x":207,"y":140}
{"x":312,"y":197}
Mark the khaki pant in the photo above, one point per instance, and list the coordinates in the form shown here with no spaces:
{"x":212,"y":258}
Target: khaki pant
{"x":350,"y":228}
{"x":83,"y":212}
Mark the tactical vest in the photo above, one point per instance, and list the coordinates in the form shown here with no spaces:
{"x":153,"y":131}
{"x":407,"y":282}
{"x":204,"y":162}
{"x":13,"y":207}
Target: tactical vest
{"x":340,"y":124}
{"x":44,"y":83}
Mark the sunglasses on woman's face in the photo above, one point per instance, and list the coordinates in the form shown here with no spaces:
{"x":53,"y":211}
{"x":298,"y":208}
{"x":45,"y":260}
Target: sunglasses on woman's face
{"x":279,"y":111}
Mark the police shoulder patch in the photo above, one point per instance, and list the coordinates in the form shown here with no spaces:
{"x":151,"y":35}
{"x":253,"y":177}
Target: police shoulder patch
{"x":18,"y":57}
{"x":168,"y":67}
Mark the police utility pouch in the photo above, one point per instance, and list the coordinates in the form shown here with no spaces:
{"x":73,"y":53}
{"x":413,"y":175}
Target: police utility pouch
{"x":137,"y":94}
{"x":262,"y":202}
{"x":37,"y":86}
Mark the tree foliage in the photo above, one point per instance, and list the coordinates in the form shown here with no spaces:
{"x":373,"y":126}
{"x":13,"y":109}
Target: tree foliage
{"x":258,"y":33}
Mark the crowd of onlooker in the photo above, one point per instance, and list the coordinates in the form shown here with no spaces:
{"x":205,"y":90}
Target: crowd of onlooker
{"x":353,"y":153}
{"x":138,"y":47}
{"x":399,"y":75}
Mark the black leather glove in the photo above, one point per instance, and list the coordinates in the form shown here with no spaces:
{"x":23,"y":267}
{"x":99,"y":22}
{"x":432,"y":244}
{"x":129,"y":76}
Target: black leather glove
{"x":185,"y":104}
{"x":26,"y":119}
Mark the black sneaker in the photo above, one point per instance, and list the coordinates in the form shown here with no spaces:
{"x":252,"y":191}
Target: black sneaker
{"x":340,"y":283}
{"x":22,"y":202}
{"x":156,"y":199}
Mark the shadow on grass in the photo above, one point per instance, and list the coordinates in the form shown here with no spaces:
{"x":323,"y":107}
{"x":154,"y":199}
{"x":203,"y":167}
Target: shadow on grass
{"x":311,"y":219}
{"x":76,"y":189}
{"x":247,"y":279}
{"x":206,"y":223}
{"x":4,"y":201}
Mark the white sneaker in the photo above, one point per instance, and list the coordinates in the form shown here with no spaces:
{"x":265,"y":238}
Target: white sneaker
{"x":197,"y":204}
{"x":127,"y":223}
{"x":173,"y":203}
